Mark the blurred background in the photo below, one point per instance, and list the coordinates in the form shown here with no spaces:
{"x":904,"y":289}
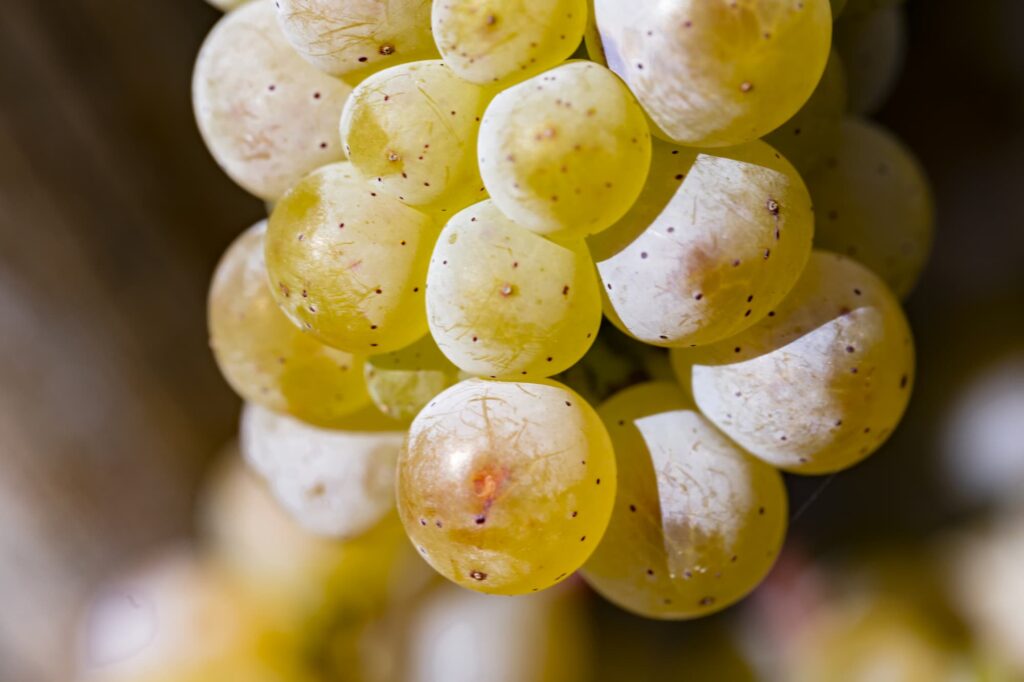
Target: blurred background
{"x":113,"y":215}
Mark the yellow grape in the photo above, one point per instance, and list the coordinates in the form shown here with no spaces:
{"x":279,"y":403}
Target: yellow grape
{"x":714,"y":242}
{"x":503,"y":301}
{"x":412,"y":131}
{"x":486,"y":41}
{"x":402,"y":382}
{"x":697,"y":523}
{"x":874,"y":204}
{"x":714,"y":73}
{"x":820,"y":383}
{"x":506,"y":487}
{"x":872,"y":46}
{"x":354,"y":38}
{"x":349,"y":264}
{"x":265,"y":358}
{"x":566,"y":151}
{"x":267,"y":117}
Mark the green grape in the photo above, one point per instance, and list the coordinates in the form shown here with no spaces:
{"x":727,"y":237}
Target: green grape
{"x":506,"y":487}
{"x":872,"y":46}
{"x":697,"y":522}
{"x":713,"y":243}
{"x":713,"y":73}
{"x":348,"y":264}
{"x":333,"y":483}
{"x":812,"y":135}
{"x":874,"y":204}
{"x":486,"y":41}
{"x":566,"y":151}
{"x":353,"y":38}
{"x":267,"y":117}
{"x":402,"y":382}
{"x":820,"y":383}
{"x":265,"y":358}
{"x":503,"y":301}
{"x":412,"y":130}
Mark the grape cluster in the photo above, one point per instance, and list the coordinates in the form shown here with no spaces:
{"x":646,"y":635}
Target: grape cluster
{"x":568,"y":283}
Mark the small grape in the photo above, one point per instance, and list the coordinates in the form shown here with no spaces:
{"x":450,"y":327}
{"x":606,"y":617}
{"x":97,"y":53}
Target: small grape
{"x":348,"y":264}
{"x":506,"y":487}
{"x":402,"y":382}
{"x":820,"y":383}
{"x":566,"y":151}
{"x":267,"y":117}
{"x":504,"y":301}
{"x":486,"y":41}
{"x":872,"y":45}
{"x":712,"y":73}
{"x":265,"y":358}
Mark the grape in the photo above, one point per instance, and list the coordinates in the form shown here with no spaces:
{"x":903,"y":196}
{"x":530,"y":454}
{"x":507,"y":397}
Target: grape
{"x":267,"y":117}
{"x":413,"y":129}
{"x":614,"y":362}
{"x":504,"y":301}
{"x":333,"y":483}
{"x":227,"y":5}
{"x":486,"y":41}
{"x":506,"y":487}
{"x":697,"y":521}
{"x":713,"y":73}
{"x":872,"y":46}
{"x":265,"y":358}
{"x":713,"y":243}
{"x":821,"y":382}
{"x":354,"y":38}
{"x":349,"y":264}
{"x":874,"y":204}
{"x":566,"y":151}
{"x":402,"y":382}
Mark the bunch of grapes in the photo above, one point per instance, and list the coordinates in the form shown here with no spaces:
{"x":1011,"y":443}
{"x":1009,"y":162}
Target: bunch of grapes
{"x":568,"y":283}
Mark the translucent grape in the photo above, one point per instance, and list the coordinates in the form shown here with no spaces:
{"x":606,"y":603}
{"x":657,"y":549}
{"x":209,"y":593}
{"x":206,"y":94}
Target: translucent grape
{"x":349,"y":264}
{"x":505,"y":301}
{"x":716,"y":73}
{"x":820,"y":383}
{"x":354,"y":38}
{"x":267,"y":117}
{"x":697,"y":521}
{"x":412,"y":130}
{"x":486,"y":41}
{"x":506,"y":487}
{"x":872,"y":45}
{"x":402,"y":382}
{"x":713,"y":243}
{"x":265,"y":358}
{"x":567,"y":150}
{"x":874,"y":204}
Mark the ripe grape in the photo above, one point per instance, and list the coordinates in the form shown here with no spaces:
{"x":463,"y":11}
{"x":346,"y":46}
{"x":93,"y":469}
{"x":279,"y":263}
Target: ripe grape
{"x":265,"y":358}
{"x":874,"y":204}
{"x":492,"y":40}
{"x":506,"y":487}
{"x":503,"y":301}
{"x":412,"y":130}
{"x":872,"y":46}
{"x":566,"y":151}
{"x":267,"y":117}
{"x":697,"y":522}
{"x":713,"y":243}
{"x":712,"y":73}
{"x":402,"y":382}
{"x":820,"y":383}
{"x":349,"y":264}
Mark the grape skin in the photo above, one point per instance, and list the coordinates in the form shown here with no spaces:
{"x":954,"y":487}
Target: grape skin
{"x":506,"y":487}
{"x":697,"y":522}
{"x":402,"y":382}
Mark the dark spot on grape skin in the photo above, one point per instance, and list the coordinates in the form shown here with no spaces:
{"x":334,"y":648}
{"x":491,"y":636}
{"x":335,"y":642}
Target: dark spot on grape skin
{"x":903,"y":381}
{"x":478,"y":575}
{"x":583,"y":539}
{"x":480,"y":520}
{"x":598,"y":482}
{"x":650,"y":572}
{"x":574,"y":514}
{"x":632,"y":507}
{"x":707,"y":601}
{"x":362,"y":59}
{"x":760,"y":511}
{"x":423,"y":522}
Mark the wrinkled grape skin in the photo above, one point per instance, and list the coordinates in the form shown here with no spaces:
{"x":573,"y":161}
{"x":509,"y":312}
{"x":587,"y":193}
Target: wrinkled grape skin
{"x":818,"y":385}
{"x":697,"y":522}
{"x":267,"y":117}
{"x":874,"y":204}
{"x":348,"y":264}
{"x":402,"y":382}
{"x":264,"y":357}
{"x":487,"y":41}
{"x":566,"y":151}
{"x":503,"y":301}
{"x":872,"y":45}
{"x":506,"y":487}
{"x":715,"y":73}
{"x":714,"y":242}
